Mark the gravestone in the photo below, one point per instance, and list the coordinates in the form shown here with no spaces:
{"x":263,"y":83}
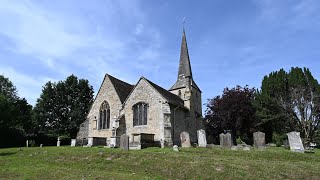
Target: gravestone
{"x":202,"y":141}
{"x":225,"y":140}
{"x":27,"y":143}
{"x":175,"y":148}
{"x":246,"y":148}
{"x":185,"y":139}
{"x":114,"y":141}
{"x":124,"y":142}
{"x":295,"y":142}
{"x":58,"y":142}
{"x":259,"y":140}
{"x":73,"y":142}
{"x":41,"y":145}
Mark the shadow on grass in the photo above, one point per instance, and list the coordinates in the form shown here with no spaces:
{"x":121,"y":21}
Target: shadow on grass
{"x":7,"y":153}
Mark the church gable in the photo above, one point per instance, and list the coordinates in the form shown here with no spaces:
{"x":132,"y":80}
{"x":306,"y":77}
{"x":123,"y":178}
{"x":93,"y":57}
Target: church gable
{"x":105,"y":107}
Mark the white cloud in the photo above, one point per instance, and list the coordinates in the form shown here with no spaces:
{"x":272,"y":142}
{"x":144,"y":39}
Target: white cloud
{"x":28,"y":87}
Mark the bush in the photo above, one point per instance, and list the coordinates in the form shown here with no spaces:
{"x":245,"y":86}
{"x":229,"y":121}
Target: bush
{"x":278,"y":138}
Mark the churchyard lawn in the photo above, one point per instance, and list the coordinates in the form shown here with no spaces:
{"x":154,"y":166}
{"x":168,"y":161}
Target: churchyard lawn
{"x":155,"y":163}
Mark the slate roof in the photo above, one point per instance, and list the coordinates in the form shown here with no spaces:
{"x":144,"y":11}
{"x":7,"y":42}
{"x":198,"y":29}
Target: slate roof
{"x":184,"y":63}
{"x":122,"y":88}
{"x":185,"y":71}
{"x":181,"y":83}
{"x":170,"y":97}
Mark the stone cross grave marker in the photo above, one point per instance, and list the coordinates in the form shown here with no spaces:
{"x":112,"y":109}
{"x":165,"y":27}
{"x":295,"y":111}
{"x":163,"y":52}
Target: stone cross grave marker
{"x":185,"y":139}
{"x":225,"y":140}
{"x":259,"y":140}
{"x":295,"y":142}
{"x":124,"y":142}
{"x":73,"y":142}
{"x":202,"y":141}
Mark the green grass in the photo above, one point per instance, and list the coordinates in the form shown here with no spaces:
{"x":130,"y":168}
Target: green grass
{"x":156,"y":163}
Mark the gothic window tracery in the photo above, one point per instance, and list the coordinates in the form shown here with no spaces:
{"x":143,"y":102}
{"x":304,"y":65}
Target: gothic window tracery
{"x":140,"y":114}
{"x":104,"y":116}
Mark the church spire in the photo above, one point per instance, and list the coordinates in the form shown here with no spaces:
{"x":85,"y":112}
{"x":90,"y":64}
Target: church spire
{"x":184,"y":63}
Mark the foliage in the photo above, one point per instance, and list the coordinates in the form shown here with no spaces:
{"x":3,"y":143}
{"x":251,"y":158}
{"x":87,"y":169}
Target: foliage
{"x":232,"y":111}
{"x":289,"y":101}
{"x":15,"y":115}
{"x":63,"y":106}
{"x":279,"y":138}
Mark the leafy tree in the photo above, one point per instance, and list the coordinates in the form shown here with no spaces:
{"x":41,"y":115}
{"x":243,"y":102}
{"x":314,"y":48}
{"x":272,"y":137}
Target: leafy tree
{"x":63,"y":106}
{"x":295,"y":102}
{"x":15,"y":115}
{"x":232,"y":111}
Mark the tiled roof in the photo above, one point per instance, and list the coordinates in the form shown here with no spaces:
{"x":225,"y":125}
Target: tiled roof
{"x":122,"y":88}
{"x":170,"y":97}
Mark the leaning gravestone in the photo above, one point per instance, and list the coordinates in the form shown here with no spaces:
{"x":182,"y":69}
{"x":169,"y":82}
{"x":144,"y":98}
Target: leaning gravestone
{"x":259,"y":140}
{"x":185,"y":139}
{"x":202,"y":141}
{"x":124,"y":142}
{"x":295,"y":142}
{"x":73,"y":142}
{"x":225,"y":140}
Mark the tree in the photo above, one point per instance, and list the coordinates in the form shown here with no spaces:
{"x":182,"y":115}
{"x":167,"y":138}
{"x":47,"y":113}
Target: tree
{"x":15,"y":115}
{"x":295,"y":99}
{"x":63,"y":106}
{"x":232,"y":111}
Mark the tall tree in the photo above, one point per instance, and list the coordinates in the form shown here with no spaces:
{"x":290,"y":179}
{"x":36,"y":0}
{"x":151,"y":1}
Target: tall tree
{"x":232,"y":111}
{"x":296,"y":97}
{"x":15,"y":115}
{"x":63,"y":106}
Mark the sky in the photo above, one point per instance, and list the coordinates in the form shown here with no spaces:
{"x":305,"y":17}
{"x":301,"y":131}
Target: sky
{"x":230,"y":42}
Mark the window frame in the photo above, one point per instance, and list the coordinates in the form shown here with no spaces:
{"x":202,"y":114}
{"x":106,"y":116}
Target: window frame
{"x":104,"y":116}
{"x":140,"y":115}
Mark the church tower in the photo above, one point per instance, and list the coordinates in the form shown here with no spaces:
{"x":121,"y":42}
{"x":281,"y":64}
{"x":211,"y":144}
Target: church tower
{"x":185,"y":87}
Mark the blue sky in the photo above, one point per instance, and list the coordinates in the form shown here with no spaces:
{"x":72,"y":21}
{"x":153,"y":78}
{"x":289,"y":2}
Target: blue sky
{"x":230,"y":42}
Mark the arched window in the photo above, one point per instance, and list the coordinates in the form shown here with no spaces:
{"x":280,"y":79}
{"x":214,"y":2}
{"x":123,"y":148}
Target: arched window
{"x":140,"y":114}
{"x":104,"y":116}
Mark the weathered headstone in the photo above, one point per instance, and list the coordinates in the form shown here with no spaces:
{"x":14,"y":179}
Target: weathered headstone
{"x":90,"y":142}
{"x":225,"y":140}
{"x":58,"y":142}
{"x":41,"y":145}
{"x":295,"y":142}
{"x":259,"y":140}
{"x":175,"y":148}
{"x":202,"y":141}
{"x":246,"y":148}
{"x":114,"y":141}
{"x":124,"y":142}
{"x":185,"y":139}
{"x":27,"y":143}
{"x":73,"y":142}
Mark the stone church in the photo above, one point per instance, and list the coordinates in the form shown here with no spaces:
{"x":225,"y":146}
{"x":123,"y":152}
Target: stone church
{"x":146,"y":112}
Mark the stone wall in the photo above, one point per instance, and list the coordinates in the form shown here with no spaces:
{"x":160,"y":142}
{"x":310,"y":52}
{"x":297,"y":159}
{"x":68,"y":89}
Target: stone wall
{"x":83,"y":131}
{"x":106,"y":93}
{"x":144,"y":92}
